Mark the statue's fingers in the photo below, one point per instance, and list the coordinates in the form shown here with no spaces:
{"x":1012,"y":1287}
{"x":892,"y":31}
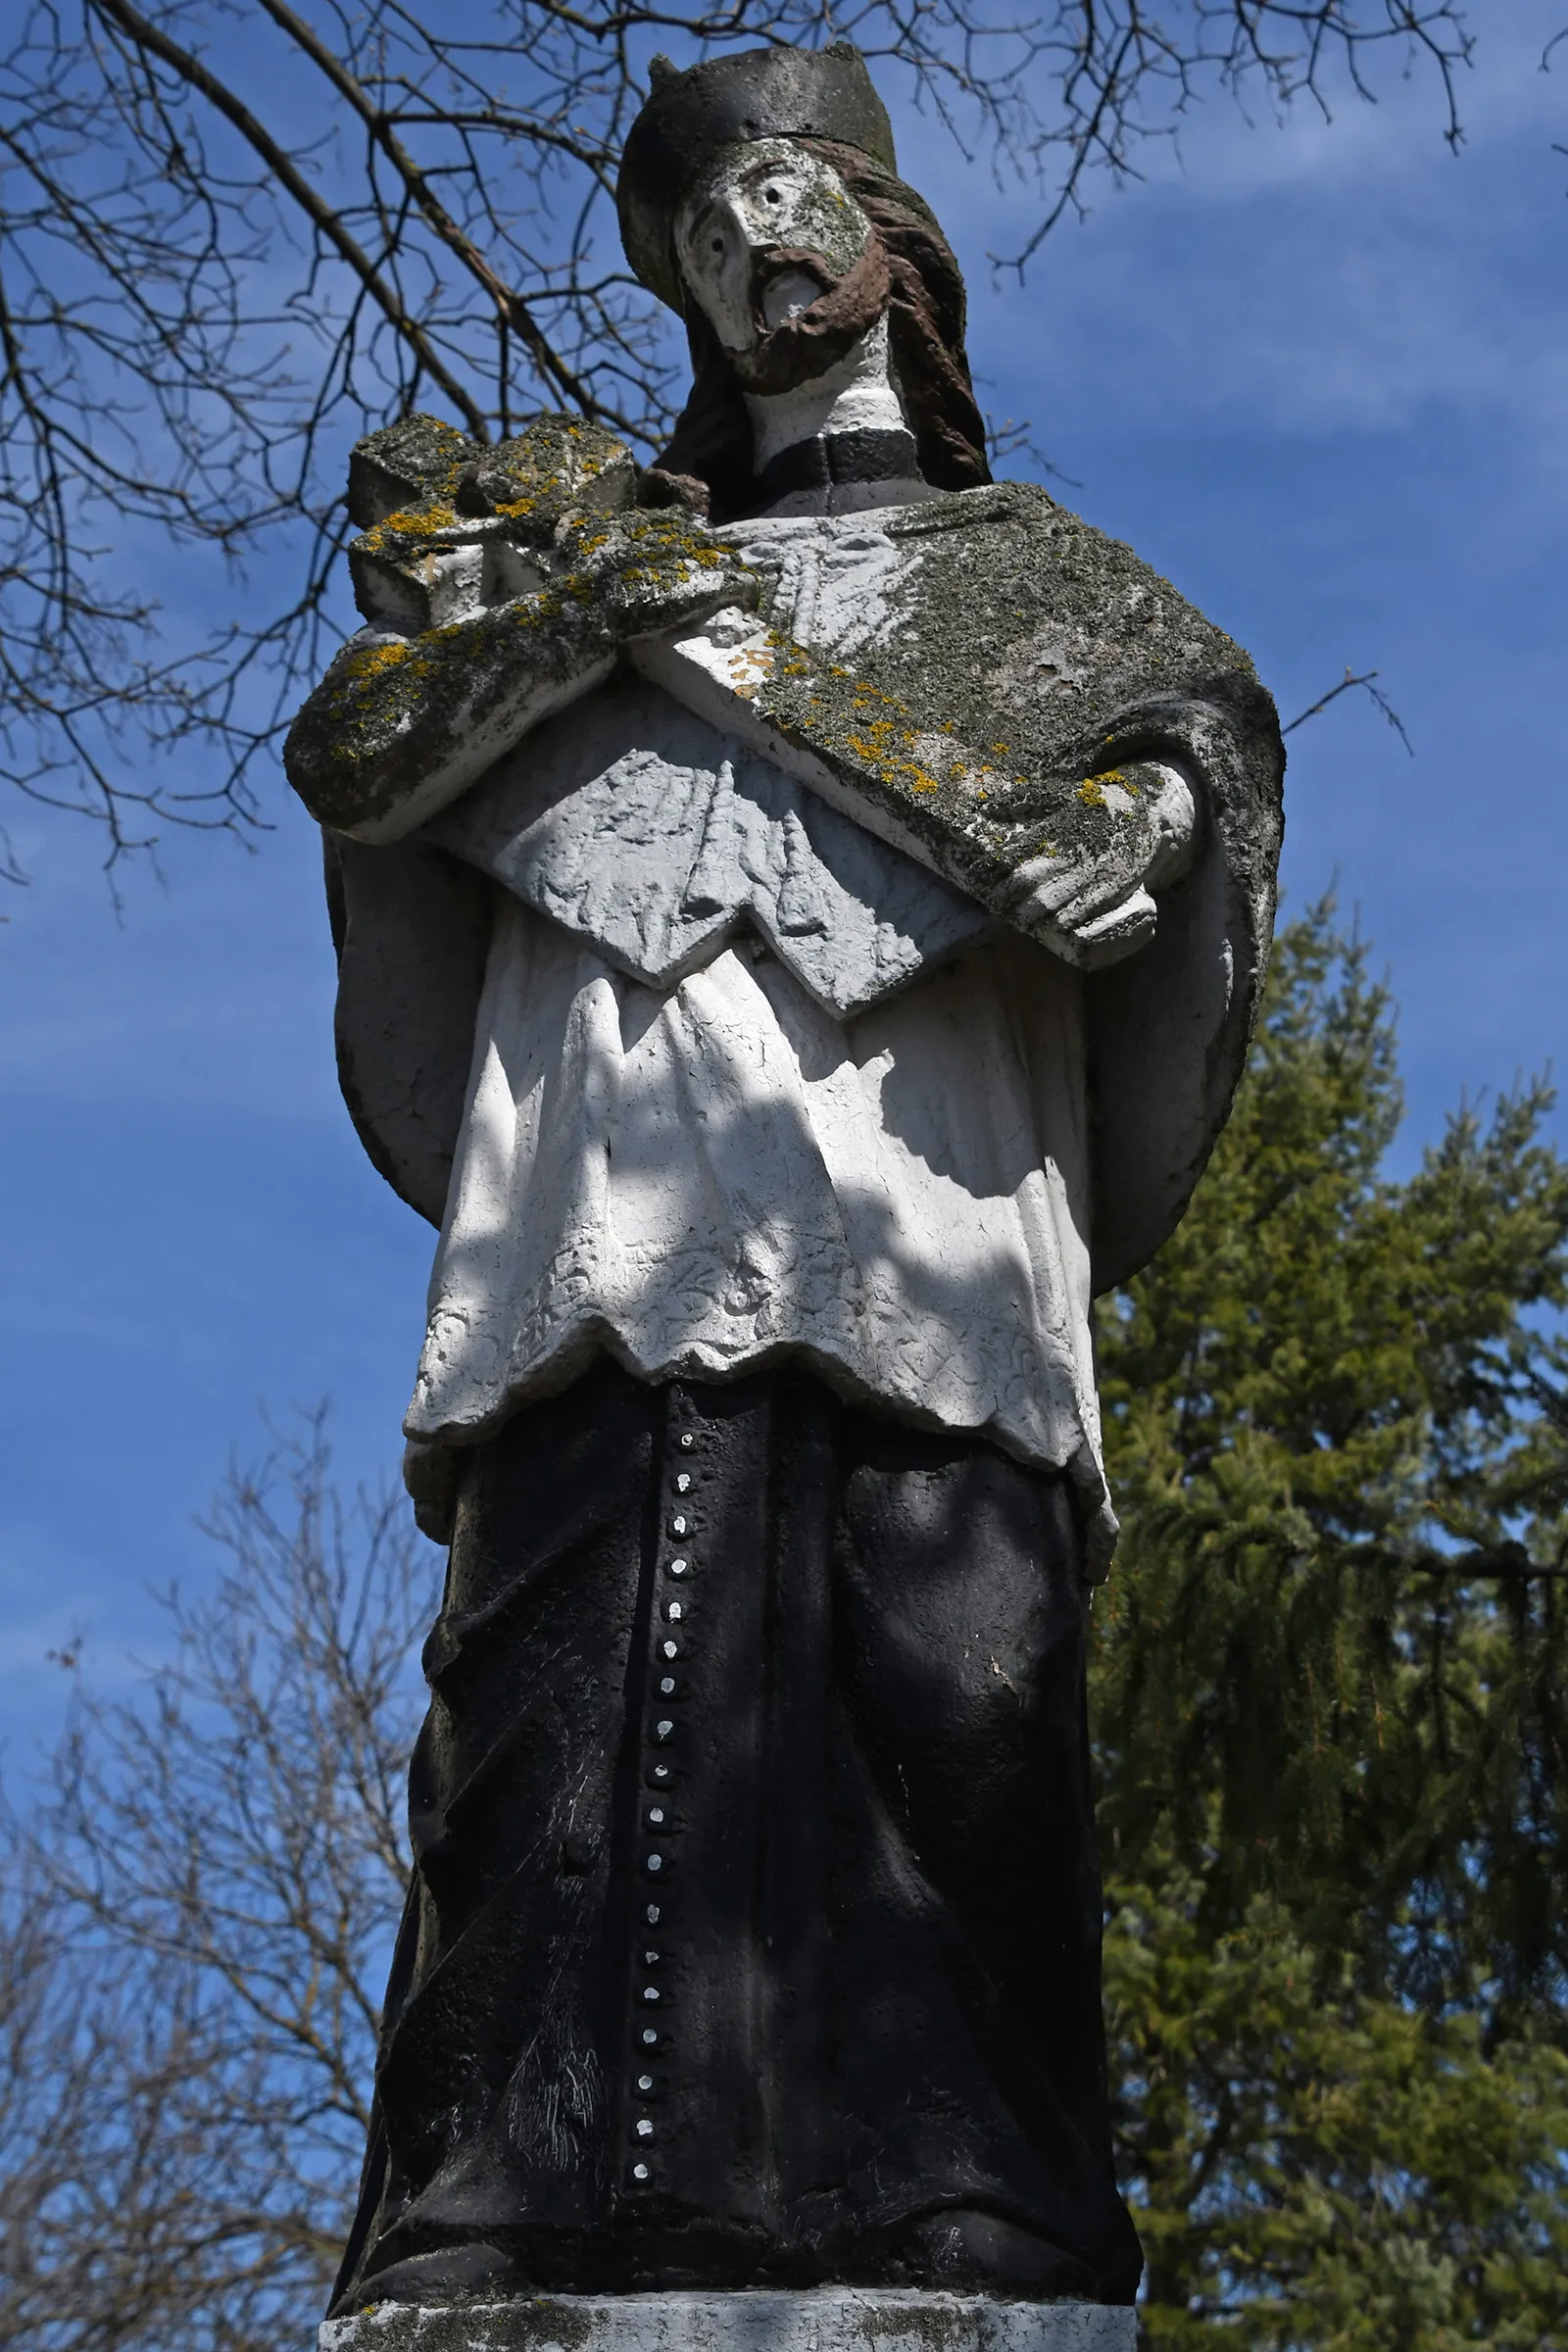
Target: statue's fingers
{"x":1100,"y":889}
{"x":1032,"y":913}
{"x":1043,"y":884}
{"x":1122,"y":931}
{"x":1098,"y":899}
{"x":1044,"y":930}
{"x":647,"y":608}
{"x":1101,"y":937}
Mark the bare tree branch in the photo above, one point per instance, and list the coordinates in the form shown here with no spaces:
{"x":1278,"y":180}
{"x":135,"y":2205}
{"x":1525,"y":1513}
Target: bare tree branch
{"x":510,"y":308}
{"x":237,"y":236}
{"x":198,"y":1921}
{"x":329,"y":222}
{"x":1366,"y":678}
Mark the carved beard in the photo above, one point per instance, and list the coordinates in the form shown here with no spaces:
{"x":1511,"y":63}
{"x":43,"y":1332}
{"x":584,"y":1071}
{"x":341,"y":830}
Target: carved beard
{"x":800,"y":349}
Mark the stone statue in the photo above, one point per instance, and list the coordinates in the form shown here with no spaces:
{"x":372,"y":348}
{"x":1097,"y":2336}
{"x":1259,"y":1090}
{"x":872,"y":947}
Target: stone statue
{"x":800,"y":910}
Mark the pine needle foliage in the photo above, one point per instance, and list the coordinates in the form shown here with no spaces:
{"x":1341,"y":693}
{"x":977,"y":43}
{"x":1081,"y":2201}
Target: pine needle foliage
{"x":1330,"y":1680}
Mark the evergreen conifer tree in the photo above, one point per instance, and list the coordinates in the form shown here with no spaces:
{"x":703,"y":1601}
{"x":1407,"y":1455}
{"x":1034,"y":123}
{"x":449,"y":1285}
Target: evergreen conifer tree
{"x":1329,"y":1700}
{"x":1329,"y":1682}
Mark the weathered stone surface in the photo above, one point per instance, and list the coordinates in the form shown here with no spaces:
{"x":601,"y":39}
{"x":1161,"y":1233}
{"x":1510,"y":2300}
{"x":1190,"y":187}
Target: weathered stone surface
{"x":402,"y":723}
{"x":423,"y":463}
{"x":1025,"y":675}
{"x":469,"y":526}
{"x":827,"y":2319}
{"x":1009,"y":721}
{"x":994,"y":626}
{"x":410,"y":927}
{"x":766,"y":94}
{"x":402,"y":464}
{"x":838,"y":1232}
{"x":994,"y":608}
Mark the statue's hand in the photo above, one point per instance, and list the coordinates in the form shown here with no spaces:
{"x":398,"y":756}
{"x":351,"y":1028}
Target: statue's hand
{"x":647,"y":573}
{"x":1093,"y":910}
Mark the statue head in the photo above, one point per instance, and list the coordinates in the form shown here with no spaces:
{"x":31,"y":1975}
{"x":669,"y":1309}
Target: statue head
{"x":759,"y":198}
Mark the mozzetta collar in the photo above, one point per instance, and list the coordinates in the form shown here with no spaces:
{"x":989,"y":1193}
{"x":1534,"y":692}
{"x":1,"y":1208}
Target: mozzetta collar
{"x":834,"y":458}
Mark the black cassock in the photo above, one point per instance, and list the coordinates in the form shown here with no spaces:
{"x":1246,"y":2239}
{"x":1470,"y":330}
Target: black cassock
{"x":754,"y":1938}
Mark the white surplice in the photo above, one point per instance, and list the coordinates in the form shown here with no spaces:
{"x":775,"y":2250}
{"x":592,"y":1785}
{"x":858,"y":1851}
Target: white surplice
{"x":748,"y":1085}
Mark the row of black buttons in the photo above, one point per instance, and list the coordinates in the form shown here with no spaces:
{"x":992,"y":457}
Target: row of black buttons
{"x":669,"y":1643}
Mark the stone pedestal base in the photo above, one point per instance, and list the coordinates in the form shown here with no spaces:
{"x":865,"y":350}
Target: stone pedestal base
{"x":834,"y":2319}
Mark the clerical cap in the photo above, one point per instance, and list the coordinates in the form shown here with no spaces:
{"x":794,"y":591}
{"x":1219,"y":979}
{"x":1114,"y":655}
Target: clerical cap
{"x":727,"y":101}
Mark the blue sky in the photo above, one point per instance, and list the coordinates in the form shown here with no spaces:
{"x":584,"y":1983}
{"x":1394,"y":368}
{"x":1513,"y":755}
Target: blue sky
{"x":1316,"y":374}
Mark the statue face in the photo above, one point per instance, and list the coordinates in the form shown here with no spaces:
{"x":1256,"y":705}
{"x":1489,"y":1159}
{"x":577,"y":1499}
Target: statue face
{"x":771,"y":228}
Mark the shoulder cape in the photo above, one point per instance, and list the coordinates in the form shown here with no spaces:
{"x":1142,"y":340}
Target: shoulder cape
{"x":1033,"y":658}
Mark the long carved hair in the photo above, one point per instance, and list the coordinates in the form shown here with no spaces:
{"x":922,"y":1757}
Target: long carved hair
{"x":711,"y":448}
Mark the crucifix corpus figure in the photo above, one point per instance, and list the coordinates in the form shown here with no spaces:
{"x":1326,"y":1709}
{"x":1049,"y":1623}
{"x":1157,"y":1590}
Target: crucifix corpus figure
{"x":801,"y":909}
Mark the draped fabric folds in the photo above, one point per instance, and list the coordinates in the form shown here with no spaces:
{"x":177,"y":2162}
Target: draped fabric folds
{"x":754,"y":1933}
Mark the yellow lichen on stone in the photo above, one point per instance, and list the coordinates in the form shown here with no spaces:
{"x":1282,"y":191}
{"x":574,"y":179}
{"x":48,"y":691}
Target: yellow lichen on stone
{"x":369,"y":661}
{"x":409,"y":523}
{"x":1092,"y":791}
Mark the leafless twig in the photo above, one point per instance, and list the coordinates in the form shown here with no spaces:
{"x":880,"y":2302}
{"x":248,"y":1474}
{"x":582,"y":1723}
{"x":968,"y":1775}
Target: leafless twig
{"x":237,"y":233}
{"x":1365,"y":678}
{"x":198,"y":1919}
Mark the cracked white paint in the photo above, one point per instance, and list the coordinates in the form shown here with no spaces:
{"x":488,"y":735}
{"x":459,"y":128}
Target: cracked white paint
{"x":831,"y":580}
{"x":658,"y":838}
{"x":707,"y":1177}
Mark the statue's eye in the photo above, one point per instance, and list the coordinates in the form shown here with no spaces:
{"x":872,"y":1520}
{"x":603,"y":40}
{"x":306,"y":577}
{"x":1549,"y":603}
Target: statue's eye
{"x":772,"y":196}
{"x":718,"y":245}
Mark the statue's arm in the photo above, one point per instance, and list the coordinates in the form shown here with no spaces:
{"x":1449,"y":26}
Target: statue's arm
{"x":1114,"y":837}
{"x":402,"y":724}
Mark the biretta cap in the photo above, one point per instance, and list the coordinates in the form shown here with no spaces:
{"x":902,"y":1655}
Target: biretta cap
{"x":728,"y":101}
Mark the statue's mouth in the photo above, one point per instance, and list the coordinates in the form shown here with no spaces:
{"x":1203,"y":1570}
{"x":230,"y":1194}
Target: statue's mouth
{"x":807,"y":337}
{"x":786,"y":281}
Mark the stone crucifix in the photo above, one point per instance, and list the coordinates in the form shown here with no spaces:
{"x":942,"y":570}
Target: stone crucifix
{"x":800,"y":909}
